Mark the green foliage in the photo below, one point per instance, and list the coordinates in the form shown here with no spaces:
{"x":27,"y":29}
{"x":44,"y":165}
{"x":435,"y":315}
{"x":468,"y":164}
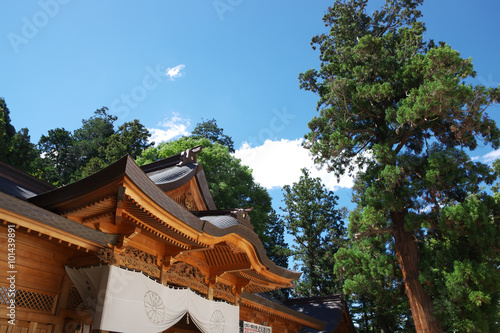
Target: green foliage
{"x":15,"y":147}
{"x":317,"y":228}
{"x":461,"y":260}
{"x":130,"y":138}
{"x":210,"y":130}
{"x":59,"y":156}
{"x":277,"y":249}
{"x":401,"y":109}
{"x":67,"y":156}
{"x":372,"y":279}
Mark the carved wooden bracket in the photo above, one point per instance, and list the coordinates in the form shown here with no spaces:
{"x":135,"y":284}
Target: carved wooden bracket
{"x":107,"y":256}
{"x":234,"y":248}
{"x":124,"y":239}
{"x":186,"y":275}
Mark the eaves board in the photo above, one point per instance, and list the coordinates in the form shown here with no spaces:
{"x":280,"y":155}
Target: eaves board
{"x":54,"y":223}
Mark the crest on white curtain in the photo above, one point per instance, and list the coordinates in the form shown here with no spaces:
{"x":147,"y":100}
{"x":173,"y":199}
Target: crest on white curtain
{"x":125,"y":301}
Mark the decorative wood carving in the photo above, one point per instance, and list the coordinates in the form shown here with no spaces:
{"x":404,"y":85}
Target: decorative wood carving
{"x":186,"y":200}
{"x":107,"y":256}
{"x":186,"y":275}
{"x":223,"y":291}
{"x":235,"y":249}
{"x":189,"y":155}
{"x":189,"y":202}
{"x":136,"y":259}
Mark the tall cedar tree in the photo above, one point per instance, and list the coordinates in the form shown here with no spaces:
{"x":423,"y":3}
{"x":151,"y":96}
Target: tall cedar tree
{"x":277,"y":249}
{"x":317,"y":227}
{"x":398,"y":106}
{"x":15,"y":147}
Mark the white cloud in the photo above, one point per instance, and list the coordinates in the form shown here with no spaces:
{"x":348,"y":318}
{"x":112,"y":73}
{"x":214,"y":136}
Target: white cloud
{"x":492,"y":156}
{"x":278,"y":163}
{"x":170,"y":128}
{"x":175,"y":72}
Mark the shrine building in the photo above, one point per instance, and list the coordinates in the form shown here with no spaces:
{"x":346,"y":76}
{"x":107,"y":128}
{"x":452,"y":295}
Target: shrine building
{"x":136,"y":249}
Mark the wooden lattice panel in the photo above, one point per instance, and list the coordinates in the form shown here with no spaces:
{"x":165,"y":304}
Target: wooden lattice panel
{"x":4,"y":299}
{"x":28,"y":299}
{"x":75,"y":300}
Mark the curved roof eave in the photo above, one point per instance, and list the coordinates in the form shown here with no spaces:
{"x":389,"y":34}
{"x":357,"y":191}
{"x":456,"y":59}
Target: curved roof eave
{"x":126,"y":166}
{"x":178,"y":161}
{"x":252,"y":237}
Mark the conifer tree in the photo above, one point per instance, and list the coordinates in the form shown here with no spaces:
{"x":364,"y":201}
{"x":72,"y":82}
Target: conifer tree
{"x":401,"y":108}
{"x":316,"y":225}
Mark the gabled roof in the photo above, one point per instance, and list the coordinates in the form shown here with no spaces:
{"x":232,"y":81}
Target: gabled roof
{"x":260,"y":302}
{"x":102,"y":187}
{"x":19,"y":184}
{"x":172,"y":172}
{"x":115,"y":173}
{"x":224,"y":218}
{"x":332,"y":309}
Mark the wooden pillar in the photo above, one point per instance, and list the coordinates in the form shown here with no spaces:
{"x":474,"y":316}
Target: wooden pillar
{"x":164,"y":277}
{"x":237,"y":291}
{"x":120,"y":198}
{"x":62,"y":299}
{"x":211,"y":285}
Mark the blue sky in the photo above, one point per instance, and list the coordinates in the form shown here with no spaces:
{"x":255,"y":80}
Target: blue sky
{"x":171,"y":64}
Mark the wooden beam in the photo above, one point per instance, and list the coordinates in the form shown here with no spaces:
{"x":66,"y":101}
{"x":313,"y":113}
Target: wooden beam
{"x":120,"y":198}
{"x":125,"y":238}
{"x":230,"y":268}
{"x":33,"y":225}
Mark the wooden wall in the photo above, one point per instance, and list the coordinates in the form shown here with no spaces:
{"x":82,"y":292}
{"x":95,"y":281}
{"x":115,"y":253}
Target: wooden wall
{"x":41,"y":284}
{"x":279,"y":325}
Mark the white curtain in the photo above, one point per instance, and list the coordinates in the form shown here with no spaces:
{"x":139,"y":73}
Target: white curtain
{"x":124,"y":301}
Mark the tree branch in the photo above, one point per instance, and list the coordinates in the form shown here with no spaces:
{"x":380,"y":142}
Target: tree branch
{"x":373,"y":231}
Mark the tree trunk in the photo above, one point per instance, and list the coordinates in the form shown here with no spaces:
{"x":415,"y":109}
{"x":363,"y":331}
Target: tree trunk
{"x":408,"y":257}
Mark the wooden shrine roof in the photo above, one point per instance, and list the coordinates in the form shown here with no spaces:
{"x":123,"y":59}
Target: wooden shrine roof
{"x":160,"y":219}
{"x":39,"y":220}
{"x":19,"y":184}
{"x":271,"y":306}
{"x":332,"y":309}
{"x":123,"y":197}
{"x":175,"y":171}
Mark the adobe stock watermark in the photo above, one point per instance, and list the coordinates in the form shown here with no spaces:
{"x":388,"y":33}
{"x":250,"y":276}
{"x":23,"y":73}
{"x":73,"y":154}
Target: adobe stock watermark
{"x":280,"y":120}
{"x":31,"y":26}
{"x":150,"y":81}
{"x":277,"y":123}
{"x":488,"y":82}
{"x":223,"y":6}
{"x":11,"y":273}
{"x":95,"y":302}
